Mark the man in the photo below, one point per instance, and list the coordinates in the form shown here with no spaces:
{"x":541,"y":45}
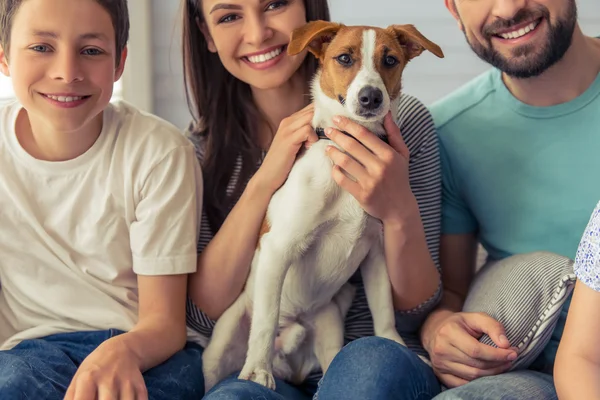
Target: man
{"x":518,"y":144}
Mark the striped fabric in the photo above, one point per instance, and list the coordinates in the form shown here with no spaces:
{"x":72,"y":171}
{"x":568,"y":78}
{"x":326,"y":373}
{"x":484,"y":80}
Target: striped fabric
{"x":525,"y":293}
{"x":418,"y":131}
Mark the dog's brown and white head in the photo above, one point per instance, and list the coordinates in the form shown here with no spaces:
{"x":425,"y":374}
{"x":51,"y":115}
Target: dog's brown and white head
{"x":360,"y":74}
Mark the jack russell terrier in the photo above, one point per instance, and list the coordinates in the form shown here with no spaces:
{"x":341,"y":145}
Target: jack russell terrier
{"x":289,"y":320}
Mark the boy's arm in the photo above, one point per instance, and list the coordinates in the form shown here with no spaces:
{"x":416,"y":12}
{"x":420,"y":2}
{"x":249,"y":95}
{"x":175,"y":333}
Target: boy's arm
{"x":577,"y":366}
{"x":163,"y":239}
{"x":160,"y":331}
{"x":114,"y":369}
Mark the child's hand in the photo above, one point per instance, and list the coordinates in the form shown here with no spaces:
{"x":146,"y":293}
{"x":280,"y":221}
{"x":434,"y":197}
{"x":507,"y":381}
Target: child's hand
{"x":110,"y":372}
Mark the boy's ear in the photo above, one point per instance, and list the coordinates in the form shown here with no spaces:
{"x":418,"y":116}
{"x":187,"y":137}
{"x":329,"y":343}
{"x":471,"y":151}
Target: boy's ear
{"x":121,"y":67}
{"x":4,"y":62}
{"x":209,"y":40}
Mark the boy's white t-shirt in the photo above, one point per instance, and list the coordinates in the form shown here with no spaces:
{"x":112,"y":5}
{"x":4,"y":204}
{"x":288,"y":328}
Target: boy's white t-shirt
{"x":74,"y":234}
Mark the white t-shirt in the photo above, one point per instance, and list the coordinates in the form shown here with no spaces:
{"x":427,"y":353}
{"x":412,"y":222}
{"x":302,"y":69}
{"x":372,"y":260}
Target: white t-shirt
{"x":74,"y":234}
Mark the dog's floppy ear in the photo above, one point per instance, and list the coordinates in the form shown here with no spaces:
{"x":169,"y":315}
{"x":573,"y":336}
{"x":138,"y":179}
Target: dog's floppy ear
{"x":413,"y":42}
{"x":314,"y":35}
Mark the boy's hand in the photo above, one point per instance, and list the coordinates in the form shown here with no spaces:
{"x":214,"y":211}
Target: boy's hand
{"x":112,"y":371}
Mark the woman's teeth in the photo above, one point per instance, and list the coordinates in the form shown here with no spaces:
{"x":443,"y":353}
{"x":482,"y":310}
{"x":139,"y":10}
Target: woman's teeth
{"x":65,"y":99}
{"x":265,"y":57}
{"x":521,"y":32}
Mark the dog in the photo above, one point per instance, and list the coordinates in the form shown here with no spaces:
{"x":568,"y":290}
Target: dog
{"x":289,"y":320}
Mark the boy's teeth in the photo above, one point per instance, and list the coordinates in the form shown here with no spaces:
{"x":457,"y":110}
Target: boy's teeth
{"x":264,"y":57}
{"x":520,"y":32}
{"x":65,"y":99}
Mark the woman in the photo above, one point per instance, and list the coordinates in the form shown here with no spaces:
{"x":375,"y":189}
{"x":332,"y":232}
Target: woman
{"x":252,"y":117}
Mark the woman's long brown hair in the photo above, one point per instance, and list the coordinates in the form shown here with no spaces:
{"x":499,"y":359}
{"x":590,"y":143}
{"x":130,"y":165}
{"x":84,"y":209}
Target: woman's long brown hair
{"x":224,"y":112}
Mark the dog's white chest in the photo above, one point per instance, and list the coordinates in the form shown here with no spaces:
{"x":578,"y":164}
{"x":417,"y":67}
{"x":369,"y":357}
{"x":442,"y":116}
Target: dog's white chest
{"x":333,"y":236}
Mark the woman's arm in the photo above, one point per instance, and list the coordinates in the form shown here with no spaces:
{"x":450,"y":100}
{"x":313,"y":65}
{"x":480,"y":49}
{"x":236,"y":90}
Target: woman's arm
{"x":224,"y":264}
{"x":577,"y":366}
{"x":404,"y":197}
{"x":412,"y":249}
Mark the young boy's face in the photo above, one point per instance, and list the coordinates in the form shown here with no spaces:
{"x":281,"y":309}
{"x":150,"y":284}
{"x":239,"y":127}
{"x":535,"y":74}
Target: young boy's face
{"x":61,"y":60}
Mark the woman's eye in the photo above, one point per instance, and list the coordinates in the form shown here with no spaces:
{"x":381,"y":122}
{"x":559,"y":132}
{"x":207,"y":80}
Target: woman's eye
{"x":276,"y":4}
{"x":228,"y":18}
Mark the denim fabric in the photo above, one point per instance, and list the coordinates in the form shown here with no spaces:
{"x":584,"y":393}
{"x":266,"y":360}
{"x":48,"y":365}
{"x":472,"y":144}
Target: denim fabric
{"x":43,"y":368}
{"x":517,"y":385}
{"x":377,"y":368}
{"x":232,"y":388}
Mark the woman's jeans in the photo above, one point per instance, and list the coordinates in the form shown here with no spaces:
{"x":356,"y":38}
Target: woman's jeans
{"x":367,"y":368}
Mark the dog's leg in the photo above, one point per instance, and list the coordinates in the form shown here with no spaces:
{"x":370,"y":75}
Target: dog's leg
{"x":378,"y":291}
{"x":290,"y":338}
{"x":329,"y":326}
{"x":273,"y":263}
{"x":228,"y":344}
{"x":344,"y":298}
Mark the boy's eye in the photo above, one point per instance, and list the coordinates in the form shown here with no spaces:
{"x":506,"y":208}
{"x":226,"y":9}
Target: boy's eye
{"x":276,"y":4}
{"x":228,"y":18}
{"x":92,"y":52}
{"x":40,"y":48}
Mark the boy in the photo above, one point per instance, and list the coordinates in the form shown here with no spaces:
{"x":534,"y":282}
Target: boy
{"x":99,"y":213}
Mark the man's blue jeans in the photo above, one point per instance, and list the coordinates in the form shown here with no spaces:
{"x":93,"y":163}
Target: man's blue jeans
{"x":367,"y":368}
{"x":43,"y":368}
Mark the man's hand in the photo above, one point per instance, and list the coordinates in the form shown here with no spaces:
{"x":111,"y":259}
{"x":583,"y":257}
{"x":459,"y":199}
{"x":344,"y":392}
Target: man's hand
{"x":112,"y":371}
{"x":457,"y":355}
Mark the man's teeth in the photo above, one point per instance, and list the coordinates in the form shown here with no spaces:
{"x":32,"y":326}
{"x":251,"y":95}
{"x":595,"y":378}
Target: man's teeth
{"x":265,"y":57}
{"x":65,"y":99}
{"x":521,"y":32}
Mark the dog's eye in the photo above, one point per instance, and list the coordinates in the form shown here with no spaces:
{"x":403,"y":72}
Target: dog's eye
{"x":390,"y":61}
{"x":345,"y":59}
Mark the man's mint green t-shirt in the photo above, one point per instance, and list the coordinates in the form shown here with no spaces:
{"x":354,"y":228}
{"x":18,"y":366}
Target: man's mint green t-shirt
{"x":523,"y":177}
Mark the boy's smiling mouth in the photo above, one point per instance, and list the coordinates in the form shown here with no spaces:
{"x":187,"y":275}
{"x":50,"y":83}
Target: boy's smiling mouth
{"x":68,"y":100}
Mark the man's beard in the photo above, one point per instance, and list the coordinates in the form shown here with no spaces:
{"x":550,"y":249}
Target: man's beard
{"x":527,"y":61}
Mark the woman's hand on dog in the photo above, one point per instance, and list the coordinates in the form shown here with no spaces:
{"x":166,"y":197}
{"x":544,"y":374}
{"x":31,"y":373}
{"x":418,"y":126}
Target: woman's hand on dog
{"x":378,"y":171}
{"x":294,"y":132}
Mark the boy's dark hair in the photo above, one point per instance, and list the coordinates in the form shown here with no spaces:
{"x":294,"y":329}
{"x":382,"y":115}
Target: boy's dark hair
{"x":225,"y":113}
{"x":117,"y":9}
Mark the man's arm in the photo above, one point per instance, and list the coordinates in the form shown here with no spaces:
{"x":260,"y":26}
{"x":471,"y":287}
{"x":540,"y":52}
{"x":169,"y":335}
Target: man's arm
{"x":457,"y":259}
{"x":577,"y":366}
{"x":451,"y":336}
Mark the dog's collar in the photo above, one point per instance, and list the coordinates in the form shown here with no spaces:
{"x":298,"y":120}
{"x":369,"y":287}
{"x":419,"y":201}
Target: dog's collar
{"x":321,"y":135}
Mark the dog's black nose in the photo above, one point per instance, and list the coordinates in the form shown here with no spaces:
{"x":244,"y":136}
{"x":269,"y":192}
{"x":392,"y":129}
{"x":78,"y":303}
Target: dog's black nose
{"x":370,"y":97}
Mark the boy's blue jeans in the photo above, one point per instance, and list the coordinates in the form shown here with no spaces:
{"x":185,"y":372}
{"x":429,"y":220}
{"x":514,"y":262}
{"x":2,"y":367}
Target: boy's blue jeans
{"x":43,"y":368}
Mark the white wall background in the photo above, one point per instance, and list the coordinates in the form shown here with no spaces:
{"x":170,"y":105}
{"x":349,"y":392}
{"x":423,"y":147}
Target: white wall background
{"x":427,"y":77}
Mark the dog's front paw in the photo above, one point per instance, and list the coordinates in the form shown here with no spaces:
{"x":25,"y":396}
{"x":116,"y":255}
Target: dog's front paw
{"x":258,"y":375}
